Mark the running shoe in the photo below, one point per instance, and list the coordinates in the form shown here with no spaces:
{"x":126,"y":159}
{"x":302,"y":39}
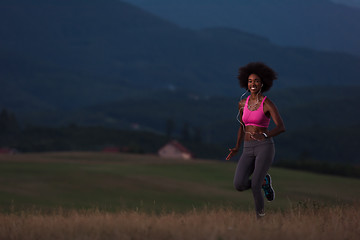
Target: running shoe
{"x":268,"y":189}
{"x":260,"y":215}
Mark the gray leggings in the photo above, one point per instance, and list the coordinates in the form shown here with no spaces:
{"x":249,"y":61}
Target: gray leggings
{"x":256,"y":159}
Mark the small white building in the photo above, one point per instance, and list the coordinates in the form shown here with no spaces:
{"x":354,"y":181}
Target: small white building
{"x":174,"y":149}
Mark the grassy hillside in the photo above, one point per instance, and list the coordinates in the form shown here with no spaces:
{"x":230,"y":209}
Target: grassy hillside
{"x":114,"y":182}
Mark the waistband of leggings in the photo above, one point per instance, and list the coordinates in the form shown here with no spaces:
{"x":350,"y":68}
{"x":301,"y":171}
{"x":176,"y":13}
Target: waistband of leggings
{"x":257,"y":143}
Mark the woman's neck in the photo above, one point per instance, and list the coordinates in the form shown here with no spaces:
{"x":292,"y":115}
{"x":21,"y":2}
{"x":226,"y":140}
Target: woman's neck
{"x":255,"y":96}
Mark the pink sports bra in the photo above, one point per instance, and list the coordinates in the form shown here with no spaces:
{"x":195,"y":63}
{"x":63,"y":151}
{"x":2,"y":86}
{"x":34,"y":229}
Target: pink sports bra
{"x":257,"y":117}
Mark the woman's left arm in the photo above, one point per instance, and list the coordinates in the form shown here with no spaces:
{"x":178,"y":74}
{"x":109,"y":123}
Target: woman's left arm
{"x":275,"y":115}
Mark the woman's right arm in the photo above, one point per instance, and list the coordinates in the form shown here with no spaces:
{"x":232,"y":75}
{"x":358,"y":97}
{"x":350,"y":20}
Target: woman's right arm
{"x":240,"y":135}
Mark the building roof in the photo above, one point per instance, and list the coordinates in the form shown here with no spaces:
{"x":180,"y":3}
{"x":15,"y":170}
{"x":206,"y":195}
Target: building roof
{"x":180,"y":146}
{"x":175,"y":144}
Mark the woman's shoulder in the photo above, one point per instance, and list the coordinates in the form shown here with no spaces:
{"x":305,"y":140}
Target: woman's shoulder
{"x":267,"y":99}
{"x":269,"y":103}
{"x":242,"y":103}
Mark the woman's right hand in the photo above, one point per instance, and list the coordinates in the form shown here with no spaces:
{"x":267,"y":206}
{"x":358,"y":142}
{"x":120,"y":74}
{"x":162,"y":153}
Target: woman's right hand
{"x":233,"y":151}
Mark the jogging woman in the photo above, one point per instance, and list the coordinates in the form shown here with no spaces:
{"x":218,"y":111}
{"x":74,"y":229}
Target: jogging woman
{"x":258,"y":151}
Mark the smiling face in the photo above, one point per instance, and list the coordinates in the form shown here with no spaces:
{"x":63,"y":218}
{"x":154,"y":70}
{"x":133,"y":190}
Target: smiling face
{"x":254,"y":83}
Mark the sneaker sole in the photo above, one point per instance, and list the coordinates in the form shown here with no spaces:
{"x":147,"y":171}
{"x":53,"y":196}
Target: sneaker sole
{"x":272,"y":189}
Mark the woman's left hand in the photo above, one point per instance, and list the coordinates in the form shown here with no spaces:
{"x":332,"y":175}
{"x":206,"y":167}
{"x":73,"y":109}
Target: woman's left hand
{"x":257,"y":136}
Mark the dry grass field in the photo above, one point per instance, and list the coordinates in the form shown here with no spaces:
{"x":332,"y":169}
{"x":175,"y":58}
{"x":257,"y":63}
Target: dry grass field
{"x":119,"y":196}
{"x":312,"y":224}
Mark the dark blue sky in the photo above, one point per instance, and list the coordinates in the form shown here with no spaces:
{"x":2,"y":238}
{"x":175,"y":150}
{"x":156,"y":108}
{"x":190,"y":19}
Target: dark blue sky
{"x":317,"y":24}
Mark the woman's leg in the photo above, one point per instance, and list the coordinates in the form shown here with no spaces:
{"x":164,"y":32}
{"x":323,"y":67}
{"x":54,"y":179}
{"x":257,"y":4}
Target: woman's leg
{"x":264,"y":157}
{"x":244,"y":169}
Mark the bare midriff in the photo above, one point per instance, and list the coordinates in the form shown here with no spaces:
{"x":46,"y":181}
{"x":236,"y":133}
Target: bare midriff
{"x":253,"y":129}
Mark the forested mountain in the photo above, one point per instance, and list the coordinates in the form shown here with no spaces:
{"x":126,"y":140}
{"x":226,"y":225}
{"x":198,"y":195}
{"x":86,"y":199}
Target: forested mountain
{"x":318,"y":24}
{"x":322,"y":123}
{"x":61,"y":54}
{"x":109,"y":63}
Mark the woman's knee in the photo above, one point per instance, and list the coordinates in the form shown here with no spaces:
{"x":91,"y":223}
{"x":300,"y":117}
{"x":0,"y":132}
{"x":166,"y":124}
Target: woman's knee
{"x":241,"y":187}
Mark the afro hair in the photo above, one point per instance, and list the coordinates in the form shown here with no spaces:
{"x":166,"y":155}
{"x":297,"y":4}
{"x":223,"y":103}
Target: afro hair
{"x":266,"y":74}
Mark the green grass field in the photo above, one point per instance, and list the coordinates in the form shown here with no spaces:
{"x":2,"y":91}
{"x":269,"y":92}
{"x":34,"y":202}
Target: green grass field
{"x":116,"y":182}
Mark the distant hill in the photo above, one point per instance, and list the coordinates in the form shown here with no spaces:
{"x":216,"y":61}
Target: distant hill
{"x":321,"y":122}
{"x":351,"y":3}
{"x":318,"y":24}
{"x":57,"y":55}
